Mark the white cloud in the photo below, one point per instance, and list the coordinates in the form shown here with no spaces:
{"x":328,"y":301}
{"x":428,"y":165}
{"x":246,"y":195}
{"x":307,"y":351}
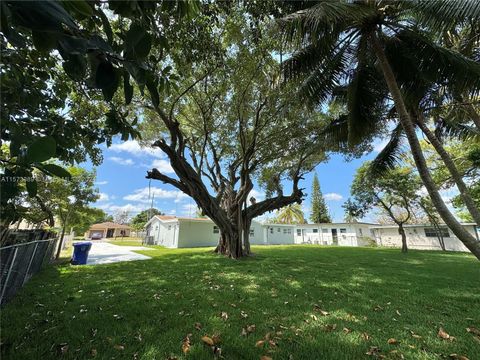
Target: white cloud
{"x":121,"y":161}
{"x":163,"y":166}
{"x":101,"y":182}
{"x":112,"y":208}
{"x":103,"y":197}
{"x":141,"y":195}
{"x":333,"y":197}
{"x":258,"y":195}
{"x":133,"y":147}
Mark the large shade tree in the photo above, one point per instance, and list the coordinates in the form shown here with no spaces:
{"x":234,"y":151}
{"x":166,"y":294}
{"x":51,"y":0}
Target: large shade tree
{"x":231,"y":124}
{"x":344,"y":46}
{"x":395,"y":193}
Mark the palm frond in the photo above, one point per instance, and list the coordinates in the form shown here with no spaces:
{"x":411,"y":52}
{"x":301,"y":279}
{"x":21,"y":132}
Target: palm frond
{"x":442,"y":15}
{"x":319,"y":84}
{"x":451,"y":127}
{"x":335,"y":135}
{"x":389,"y":157}
{"x":310,"y":57}
{"x":438,"y":64}
{"x":366,"y":95}
{"x":322,"y":18}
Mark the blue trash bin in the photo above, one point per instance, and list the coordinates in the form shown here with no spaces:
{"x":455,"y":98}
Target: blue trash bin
{"x":80,"y":253}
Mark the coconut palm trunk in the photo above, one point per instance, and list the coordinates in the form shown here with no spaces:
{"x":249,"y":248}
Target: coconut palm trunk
{"x":463,"y":235}
{"x":456,"y":176}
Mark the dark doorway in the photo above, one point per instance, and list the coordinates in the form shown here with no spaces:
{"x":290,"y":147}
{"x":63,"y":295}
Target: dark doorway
{"x":110,"y":233}
{"x":334,"y":237}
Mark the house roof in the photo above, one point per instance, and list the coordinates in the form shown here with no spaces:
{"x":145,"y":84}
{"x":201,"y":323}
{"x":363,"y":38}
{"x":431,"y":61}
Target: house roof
{"x":165,"y":217}
{"x":108,"y":225}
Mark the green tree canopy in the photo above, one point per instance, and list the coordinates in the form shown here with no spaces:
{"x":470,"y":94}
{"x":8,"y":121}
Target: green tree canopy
{"x":319,"y":211}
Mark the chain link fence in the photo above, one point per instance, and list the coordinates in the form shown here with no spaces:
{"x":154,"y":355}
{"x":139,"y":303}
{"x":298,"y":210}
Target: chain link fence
{"x":19,"y":262}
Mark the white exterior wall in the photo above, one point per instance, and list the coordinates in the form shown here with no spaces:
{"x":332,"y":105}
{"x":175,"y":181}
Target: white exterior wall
{"x":416,"y":238}
{"x":278,"y":234}
{"x":347,"y":234}
{"x":197,"y":233}
{"x":164,"y":233}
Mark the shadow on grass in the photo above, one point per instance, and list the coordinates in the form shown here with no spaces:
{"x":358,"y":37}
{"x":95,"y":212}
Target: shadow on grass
{"x":315,"y":302}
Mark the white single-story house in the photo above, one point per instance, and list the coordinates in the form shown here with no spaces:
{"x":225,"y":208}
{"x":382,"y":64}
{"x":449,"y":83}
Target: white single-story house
{"x":181,"y":232}
{"x":421,"y":236}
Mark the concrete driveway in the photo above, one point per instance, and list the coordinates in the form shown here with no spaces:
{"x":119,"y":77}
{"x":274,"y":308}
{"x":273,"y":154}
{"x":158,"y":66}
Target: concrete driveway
{"x":106,"y":253}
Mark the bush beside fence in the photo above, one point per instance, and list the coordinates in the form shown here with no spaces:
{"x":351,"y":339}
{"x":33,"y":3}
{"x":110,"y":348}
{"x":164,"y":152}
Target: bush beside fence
{"x":19,"y":262}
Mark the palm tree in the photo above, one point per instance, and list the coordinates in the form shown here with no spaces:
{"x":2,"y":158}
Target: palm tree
{"x":291,"y":214}
{"x":364,"y":47}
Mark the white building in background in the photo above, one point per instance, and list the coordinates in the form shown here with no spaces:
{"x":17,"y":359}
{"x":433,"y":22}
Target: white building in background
{"x":182,"y":232}
{"x":422,"y":236}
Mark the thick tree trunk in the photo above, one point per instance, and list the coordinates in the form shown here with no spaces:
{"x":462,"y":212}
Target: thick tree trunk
{"x":456,"y":176}
{"x":463,"y":235}
{"x":229,"y":244}
{"x":401,"y":231}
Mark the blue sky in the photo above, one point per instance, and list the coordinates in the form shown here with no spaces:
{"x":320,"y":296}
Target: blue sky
{"x":123,"y":186}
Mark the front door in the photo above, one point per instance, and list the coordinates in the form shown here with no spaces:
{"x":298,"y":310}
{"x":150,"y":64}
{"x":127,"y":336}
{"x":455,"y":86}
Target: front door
{"x":110,"y":233}
{"x":334,"y":237}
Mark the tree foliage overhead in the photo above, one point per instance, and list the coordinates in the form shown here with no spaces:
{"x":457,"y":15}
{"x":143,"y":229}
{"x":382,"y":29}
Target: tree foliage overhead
{"x":230,"y":124}
{"x":68,"y":70}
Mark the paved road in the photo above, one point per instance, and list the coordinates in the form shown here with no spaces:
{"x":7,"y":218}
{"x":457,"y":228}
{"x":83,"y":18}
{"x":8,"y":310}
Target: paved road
{"x":105,"y":253}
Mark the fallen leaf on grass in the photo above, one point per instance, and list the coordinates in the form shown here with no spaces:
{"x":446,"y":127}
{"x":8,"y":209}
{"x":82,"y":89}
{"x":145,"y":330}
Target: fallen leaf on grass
{"x":398,"y":313}
{"x":224,"y":316}
{"x":208,"y":340}
{"x":347,"y":330}
{"x":265,"y":357}
{"x":392,"y":341}
{"x":473,"y":330}
{"x":314,"y":317}
{"x":248,"y":329}
{"x":63,"y":348}
{"x":186,"y":343}
{"x":243,"y":314}
{"x":119,"y":347}
{"x":198,"y":326}
{"x":366,"y":336}
{"x":374,"y":351}
{"x":330,"y":327}
{"x":457,"y":357}
{"x":318,"y":309}
{"x":93,"y":352}
{"x":259,"y":343}
{"x":444,"y":335}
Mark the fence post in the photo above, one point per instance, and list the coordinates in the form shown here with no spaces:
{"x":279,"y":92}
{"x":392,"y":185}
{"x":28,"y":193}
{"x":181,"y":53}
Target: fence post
{"x":4,"y":286}
{"x":30,"y":264}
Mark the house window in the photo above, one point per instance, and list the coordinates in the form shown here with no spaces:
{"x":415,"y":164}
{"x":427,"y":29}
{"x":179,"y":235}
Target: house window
{"x":325,"y":231}
{"x":252,"y":232}
{"x":289,"y":231}
{"x":284,"y":231}
{"x":315,"y":231}
{"x":271,"y":230}
{"x":343,"y":231}
{"x":432,"y":232}
{"x":299,"y":232}
{"x":360,"y":232}
{"x":169,"y":227}
{"x":216,"y":230}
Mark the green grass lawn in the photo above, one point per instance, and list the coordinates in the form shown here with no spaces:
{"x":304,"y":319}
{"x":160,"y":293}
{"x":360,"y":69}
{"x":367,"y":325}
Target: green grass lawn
{"x":306,"y":302}
{"x":127,"y":241}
